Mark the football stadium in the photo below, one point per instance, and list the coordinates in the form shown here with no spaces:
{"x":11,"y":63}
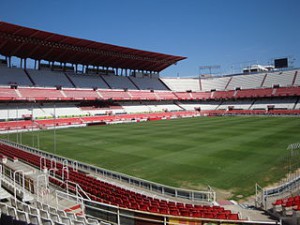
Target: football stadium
{"x":92,"y":134}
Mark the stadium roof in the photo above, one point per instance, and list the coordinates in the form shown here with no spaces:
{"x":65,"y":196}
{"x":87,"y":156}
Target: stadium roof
{"x":26,"y":42}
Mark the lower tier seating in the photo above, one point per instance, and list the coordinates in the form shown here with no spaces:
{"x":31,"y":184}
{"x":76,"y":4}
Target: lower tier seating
{"x":111,"y":194}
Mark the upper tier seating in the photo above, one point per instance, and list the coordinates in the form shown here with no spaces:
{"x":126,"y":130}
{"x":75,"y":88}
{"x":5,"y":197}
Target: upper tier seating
{"x":46,"y":78}
{"x":183,"y":84}
{"x":88,"y":81}
{"x":16,"y":76}
{"x":214,"y":83}
{"x":297,"y":80}
{"x":119,"y":82}
{"x":279,"y":78}
{"x":246,"y":81}
{"x":147,"y":83}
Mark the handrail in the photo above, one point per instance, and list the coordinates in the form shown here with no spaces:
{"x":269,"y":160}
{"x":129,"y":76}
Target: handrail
{"x":23,"y":182}
{"x":78,"y":189}
{"x":117,"y":216}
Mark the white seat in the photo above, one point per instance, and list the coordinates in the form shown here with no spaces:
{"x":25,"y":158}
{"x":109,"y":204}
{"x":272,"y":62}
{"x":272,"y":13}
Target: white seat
{"x":61,"y":213}
{"x":26,"y":208}
{"x":47,"y":221}
{"x":52,"y":210}
{"x":20,"y":205}
{"x":34,"y":219}
{"x":44,"y":214}
{"x":12,"y":212}
{"x":76,"y":222}
{"x":58,"y":223}
{"x":72,"y":216}
{"x":34,"y":211}
{"x":3,"y":208}
{"x":66,"y":220}
{"x":39,"y":205}
{"x":13,"y":202}
{"x":55,"y":217}
{"x":23,"y":216}
{"x":45,"y":207}
{"x":92,"y":221}
{"x":81,"y":218}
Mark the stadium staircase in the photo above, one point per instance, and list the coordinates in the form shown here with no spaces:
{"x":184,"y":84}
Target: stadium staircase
{"x":29,"y":77}
{"x":137,"y":87}
{"x":263,"y":81}
{"x":70,"y":80}
{"x":227,"y":83}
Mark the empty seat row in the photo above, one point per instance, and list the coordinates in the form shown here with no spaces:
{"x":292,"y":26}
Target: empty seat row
{"x":82,"y":94}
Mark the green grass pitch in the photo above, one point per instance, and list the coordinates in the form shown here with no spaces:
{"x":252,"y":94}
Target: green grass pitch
{"x":227,"y":153}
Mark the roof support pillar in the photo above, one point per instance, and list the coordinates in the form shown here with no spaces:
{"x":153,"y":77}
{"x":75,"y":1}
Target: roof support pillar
{"x":21,"y":63}
{"x":9,"y":61}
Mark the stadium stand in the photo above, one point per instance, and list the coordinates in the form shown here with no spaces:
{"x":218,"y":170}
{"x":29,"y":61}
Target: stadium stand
{"x":107,"y":193}
{"x":80,"y":94}
{"x":164,"y":95}
{"x":223,"y":94}
{"x":36,"y":94}
{"x":119,"y":82}
{"x":201,"y":106}
{"x":143,"y":95}
{"x":147,"y":83}
{"x":202,"y":95}
{"x":254,"y":93}
{"x":42,"y":99}
{"x":279,"y":78}
{"x":244,"y":105}
{"x":46,"y":78}
{"x":249,"y":81}
{"x":88,"y":81}
{"x":274,"y":104}
{"x":214,"y":83}
{"x":182,"y":84}
{"x":14,"y":76}
{"x":287,"y":91}
{"x":7,"y":94}
{"x":114,"y":95}
{"x":296,"y":81}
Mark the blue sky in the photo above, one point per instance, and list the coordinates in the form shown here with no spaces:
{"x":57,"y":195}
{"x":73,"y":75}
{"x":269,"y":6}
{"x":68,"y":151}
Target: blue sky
{"x":230,"y":33}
